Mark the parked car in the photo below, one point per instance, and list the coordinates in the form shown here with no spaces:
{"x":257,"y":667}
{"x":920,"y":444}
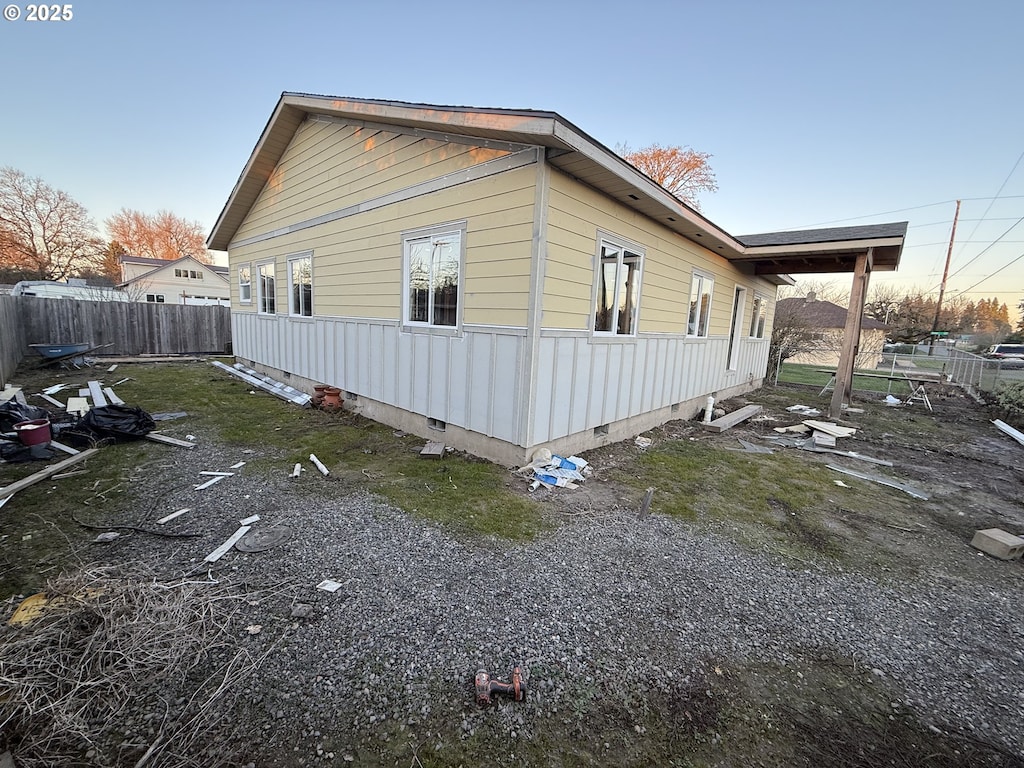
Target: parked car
{"x":1010,"y":353}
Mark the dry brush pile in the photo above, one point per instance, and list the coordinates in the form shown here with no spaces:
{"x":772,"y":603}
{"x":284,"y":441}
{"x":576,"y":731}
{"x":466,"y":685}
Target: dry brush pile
{"x":119,"y":668}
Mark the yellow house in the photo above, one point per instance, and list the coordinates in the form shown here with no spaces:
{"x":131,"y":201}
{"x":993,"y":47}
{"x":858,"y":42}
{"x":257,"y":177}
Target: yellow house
{"x":174,"y":281}
{"x":494,"y":278}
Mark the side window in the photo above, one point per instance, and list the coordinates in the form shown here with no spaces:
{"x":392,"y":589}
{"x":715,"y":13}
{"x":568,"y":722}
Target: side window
{"x":432,"y":275}
{"x":265,"y":288}
{"x":300,"y":285}
{"x":618,"y":288}
{"x":757,"y":321}
{"x":245,"y":284}
{"x":699,"y":318}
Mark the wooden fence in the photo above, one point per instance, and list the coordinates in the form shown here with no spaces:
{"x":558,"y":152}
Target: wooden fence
{"x":119,"y":327}
{"x":12,"y":338}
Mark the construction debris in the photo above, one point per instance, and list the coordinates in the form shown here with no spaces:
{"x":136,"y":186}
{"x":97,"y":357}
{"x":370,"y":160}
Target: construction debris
{"x":732,"y":419}
{"x":882,"y":481}
{"x":329,"y":585}
{"x":172,"y":516}
{"x":319,"y":465}
{"x":551,"y":471}
{"x":432,"y":450}
{"x":218,"y":553}
{"x":20,"y":485}
{"x":157,"y":437}
{"x":998,"y":543}
{"x":267,"y":384}
{"x":1005,"y":428}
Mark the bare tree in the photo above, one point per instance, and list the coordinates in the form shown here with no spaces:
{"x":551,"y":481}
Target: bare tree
{"x":683,"y":171}
{"x":44,"y":233}
{"x":822,"y":290}
{"x":791,"y":335}
{"x":162,"y":235}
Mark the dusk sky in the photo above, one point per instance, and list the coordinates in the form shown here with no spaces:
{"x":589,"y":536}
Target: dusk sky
{"x":816,"y":113}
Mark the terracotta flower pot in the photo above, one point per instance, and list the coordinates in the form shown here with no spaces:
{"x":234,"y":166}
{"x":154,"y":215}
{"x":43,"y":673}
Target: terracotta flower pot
{"x":332,"y":398}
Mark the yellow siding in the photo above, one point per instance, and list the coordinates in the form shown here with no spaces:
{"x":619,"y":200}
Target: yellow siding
{"x":577,"y":213}
{"x":330,"y":166}
{"x":357,"y":260}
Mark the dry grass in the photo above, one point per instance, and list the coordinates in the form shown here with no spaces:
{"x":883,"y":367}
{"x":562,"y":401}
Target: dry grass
{"x":108,"y":646}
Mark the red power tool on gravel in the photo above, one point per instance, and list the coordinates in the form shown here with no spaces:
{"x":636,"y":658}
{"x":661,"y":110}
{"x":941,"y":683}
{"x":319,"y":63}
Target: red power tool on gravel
{"x":486,"y":687}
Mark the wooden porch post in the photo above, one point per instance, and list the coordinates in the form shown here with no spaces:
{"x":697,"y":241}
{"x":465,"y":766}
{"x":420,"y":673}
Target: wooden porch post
{"x":851,"y":334}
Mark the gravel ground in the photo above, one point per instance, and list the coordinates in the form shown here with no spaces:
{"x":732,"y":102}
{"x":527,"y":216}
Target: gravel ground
{"x":622,"y":605}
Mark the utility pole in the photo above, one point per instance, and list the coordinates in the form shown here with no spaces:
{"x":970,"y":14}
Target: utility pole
{"x":942,"y":286}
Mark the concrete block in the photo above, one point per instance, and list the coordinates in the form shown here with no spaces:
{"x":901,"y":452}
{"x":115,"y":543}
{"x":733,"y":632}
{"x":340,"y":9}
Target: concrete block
{"x":998,"y":543}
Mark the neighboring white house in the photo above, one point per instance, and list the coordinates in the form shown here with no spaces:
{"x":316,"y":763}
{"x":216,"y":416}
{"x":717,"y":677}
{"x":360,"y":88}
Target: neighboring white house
{"x":174,"y":281}
{"x":497,"y":279}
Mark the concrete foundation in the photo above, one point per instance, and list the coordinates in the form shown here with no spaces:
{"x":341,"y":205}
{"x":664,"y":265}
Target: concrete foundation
{"x":998,"y":543}
{"x":502,"y":451}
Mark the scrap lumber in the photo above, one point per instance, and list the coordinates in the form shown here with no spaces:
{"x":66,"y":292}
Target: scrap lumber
{"x":51,"y":400}
{"x":13,"y":488}
{"x":111,"y":397}
{"x":881,"y":481}
{"x":209,"y":482}
{"x":219,"y":551}
{"x":8,"y":393}
{"x":809,"y":446}
{"x":156,"y":437}
{"x":172,"y":516}
{"x":99,"y":400}
{"x":79,"y":405}
{"x":1005,"y":428}
{"x":432,"y":450}
{"x":829,"y":428}
{"x":54,"y":389}
{"x":732,"y":419}
{"x":267,"y":384}
{"x":66,"y":448}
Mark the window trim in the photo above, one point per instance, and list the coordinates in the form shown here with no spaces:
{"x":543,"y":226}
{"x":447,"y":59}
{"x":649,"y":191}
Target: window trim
{"x":289,"y":260}
{"x":623,"y":245}
{"x":260,"y":297}
{"x":431,"y":232}
{"x":697,"y":279}
{"x":247,"y":283}
{"x":758,"y":320}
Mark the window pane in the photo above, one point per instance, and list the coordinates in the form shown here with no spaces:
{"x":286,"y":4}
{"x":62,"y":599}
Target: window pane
{"x":695,"y":291}
{"x":301,"y":278}
{"x":445,"y":260}
{"x":268,"y":301}
{"x":753,"y":319}
{"x":629,"y":293}
{"x":419,"y":280}
{"x":705,"y":308}
{"x":604,"y":316}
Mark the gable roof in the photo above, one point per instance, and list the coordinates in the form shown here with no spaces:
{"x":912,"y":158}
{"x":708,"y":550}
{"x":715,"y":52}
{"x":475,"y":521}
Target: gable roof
{"x":568,"y":149}
{"x":822,"y":314}
{"x":160,"y":264}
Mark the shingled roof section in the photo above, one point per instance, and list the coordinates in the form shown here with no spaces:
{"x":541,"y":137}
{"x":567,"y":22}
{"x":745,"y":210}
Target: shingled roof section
{"x":830,"y":235}
{"x":821,"y":314}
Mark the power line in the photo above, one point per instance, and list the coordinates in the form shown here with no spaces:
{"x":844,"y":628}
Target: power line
{"x":980,"y":253}
{"x":993,"y":200}
{"x":904,"y":210}
{"x":989,"y":277}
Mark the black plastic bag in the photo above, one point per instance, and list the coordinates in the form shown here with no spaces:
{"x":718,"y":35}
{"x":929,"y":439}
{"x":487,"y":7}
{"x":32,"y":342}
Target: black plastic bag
{"x":13,"y":412}
{"x":118,"y":421}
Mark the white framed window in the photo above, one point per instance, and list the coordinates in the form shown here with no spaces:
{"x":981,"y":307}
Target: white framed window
{"x":300,"y":284}
{"x":189,"y":274}
{"x":432,"y":276}
{"x":155,"y":298}
{"x":617,"y":297}
{"x":266,"y":297}
{"x":759,"y":317}
{"x":701,"y":288}
{"x":245,"y":283}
